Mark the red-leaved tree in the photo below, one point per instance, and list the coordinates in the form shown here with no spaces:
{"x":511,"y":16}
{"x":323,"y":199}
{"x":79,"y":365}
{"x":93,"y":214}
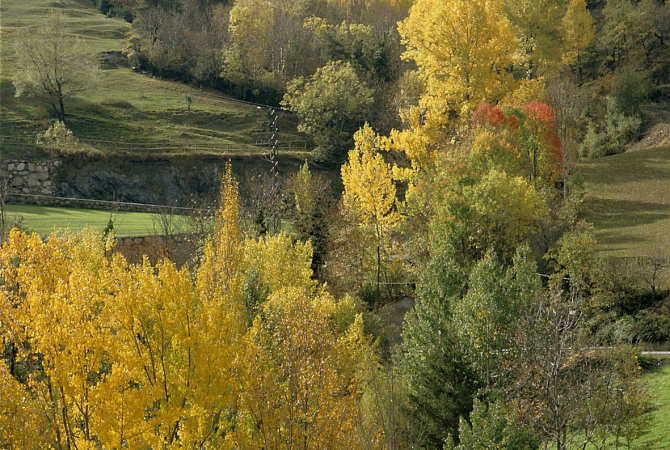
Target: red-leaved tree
{"x":521,"y":141}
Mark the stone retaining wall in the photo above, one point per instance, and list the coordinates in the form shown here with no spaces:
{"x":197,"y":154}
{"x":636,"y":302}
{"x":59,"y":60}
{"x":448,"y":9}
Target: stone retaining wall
{"x":177,"y":248}
{"x":31,"y":177}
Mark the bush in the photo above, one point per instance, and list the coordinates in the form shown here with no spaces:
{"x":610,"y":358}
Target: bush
{"x":620,"y":129}
{"x":57,"y":139}
{"x":595,"y":144}
{"x":649,"y":361}
{"x":630,"y":91}
{"x":623,"y":331}
{"x":121,"y":11}
{"x":117,"y":102}
{"x":652,"y":327}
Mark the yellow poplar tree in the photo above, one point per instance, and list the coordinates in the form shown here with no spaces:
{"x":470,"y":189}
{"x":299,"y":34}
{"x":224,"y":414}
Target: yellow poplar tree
{"x":172,"y":356}
{"x":537,"y":26}
{"x":118,"y":356}
{"x":220,"y":275}
{"x":579,"y":32}
{"x":297,"y":383}
{"x":463,"y":49}
{"x":49,"y":315}
{"x":279,"y":262}
{"x":370,"y":190}
{"x":21,"y":424}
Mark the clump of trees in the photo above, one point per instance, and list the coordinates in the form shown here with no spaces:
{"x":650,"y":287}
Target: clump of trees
{"x":464,"y":201}
{"x":422,"y":64}
{"x":97,"y":352}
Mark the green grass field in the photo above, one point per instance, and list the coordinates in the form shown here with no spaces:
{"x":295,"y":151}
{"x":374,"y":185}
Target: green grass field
{"x":157,"y":111}
{"x":44,"y":219}
{"x":657,"y":381}
{"x":628,"y":201}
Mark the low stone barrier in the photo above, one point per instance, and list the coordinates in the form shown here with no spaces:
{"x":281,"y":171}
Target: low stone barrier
{"x":31,"y":177}
{"x":106,"y":205}
{"x":178,"y":248}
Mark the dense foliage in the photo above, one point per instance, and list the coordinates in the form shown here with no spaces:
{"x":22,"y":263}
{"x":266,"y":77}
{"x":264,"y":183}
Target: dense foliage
{"x":463,"y":200}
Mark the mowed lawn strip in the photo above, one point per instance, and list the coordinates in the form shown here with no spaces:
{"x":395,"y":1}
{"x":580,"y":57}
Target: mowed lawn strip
{"x":657,"y":381}
{"x":628,"y":201}
{"x":44,"y":219}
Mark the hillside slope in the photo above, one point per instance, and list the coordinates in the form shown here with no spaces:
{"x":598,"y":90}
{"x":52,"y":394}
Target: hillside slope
{"x":628,"y":200}
{"x":123,"y":105}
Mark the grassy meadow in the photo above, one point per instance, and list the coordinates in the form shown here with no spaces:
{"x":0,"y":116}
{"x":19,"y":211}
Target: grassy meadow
{"x":657,"y":381}
{"x":45,"y":219}
{"x":628,"y":201}
{"x":122,"y":105}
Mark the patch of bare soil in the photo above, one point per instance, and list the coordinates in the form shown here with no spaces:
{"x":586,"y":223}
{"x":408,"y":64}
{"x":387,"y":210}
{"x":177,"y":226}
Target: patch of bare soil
{"x":657,"y":136}
{"x":657,"y":118}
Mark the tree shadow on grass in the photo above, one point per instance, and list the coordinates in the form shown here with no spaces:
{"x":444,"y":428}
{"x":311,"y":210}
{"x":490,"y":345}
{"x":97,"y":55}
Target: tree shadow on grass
{"x":613,"y":214}
{"x":643,"y":165}
{"x":620,"y":241}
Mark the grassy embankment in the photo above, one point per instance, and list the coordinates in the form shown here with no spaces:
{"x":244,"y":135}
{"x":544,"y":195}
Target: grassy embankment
{"x":122,"y":105}
{"x":628,"y":201}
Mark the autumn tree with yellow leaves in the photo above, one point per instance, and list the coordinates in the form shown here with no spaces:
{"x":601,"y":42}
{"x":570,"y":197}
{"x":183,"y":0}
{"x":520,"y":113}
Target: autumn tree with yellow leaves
{"x":99,"y":353}
{"x":296,"y":375}
{"x":463,"y":49}
{"x":369,"y":190}
{"x":117,"y":355}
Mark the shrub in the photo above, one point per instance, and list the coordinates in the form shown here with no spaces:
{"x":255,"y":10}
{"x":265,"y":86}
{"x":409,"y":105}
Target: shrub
{"x":623,"y":331}
{"x":649,"y":361}
{"x":631,"y":89}
{"x":595,"y":144}
{"x":652,"y":327}
{"x":117,"y":102}
{"x":58,"y":139}
{"x":620,"y":129}
{"x":121,"y":11}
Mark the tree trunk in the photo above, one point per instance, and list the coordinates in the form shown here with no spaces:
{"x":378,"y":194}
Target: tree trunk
{"x":61,"y":114}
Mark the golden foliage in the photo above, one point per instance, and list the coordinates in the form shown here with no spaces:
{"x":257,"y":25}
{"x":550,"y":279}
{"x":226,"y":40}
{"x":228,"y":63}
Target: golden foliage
{"x":528,"y":91}
{"x":579,"y":31}
{"x":280,"y":262}
{"x":297,"y":381}
{"x":368,"y":182}
{"x":118,"y":355}
{"x":110,"y":355}
{"x":219,"y":279}
{"x":462,"y":48}
{"x":370,"y":193}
